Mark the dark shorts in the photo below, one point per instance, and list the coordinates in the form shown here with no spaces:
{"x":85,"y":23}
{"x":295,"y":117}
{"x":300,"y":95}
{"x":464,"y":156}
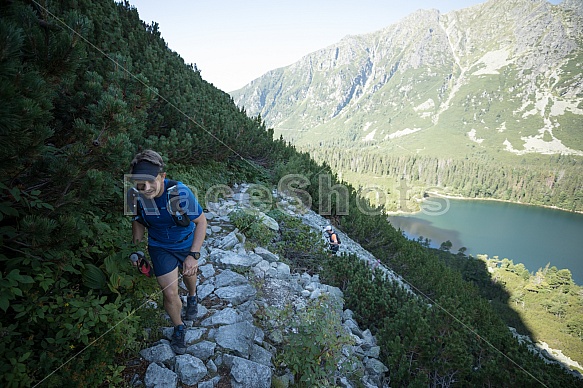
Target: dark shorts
{"x":165,"y":260}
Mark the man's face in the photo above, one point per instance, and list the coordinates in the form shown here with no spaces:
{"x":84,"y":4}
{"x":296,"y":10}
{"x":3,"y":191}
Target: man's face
{"x":151,"y":188}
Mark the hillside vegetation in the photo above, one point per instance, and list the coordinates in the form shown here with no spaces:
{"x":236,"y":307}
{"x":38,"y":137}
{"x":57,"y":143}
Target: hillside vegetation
{"x":534,"y":179}
{"x":86,"y":84}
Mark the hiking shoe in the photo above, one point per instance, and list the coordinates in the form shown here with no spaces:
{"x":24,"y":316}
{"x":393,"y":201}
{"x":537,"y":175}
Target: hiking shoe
{"x":178,"y":343}
{"x":191,"y":308}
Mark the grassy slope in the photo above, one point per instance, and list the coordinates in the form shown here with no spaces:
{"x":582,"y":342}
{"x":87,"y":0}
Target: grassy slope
{"x":544,"y":325}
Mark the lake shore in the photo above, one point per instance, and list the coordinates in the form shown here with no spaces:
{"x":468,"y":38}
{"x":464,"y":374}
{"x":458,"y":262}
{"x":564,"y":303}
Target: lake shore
{"x":497,"y":228}
{"x":450,"y":196}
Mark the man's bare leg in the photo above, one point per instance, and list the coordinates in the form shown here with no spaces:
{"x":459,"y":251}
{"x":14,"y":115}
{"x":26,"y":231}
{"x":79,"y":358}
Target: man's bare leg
{"x":172,"y":302}
{"x":190,"y":283}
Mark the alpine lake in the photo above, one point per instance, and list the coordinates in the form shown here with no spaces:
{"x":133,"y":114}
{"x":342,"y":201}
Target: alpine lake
{"x":531,"y":235}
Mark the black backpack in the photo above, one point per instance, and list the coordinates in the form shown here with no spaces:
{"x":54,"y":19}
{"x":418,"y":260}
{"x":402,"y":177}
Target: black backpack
{"x":337,"y":238}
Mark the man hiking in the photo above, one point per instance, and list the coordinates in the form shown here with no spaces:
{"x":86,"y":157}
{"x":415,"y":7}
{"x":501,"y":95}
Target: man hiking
{"x":176,"y":228}
{"x":334,"y":240}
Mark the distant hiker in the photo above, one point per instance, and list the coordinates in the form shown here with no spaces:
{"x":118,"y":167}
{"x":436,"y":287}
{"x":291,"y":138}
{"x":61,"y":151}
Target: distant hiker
{"x":334,"y":240}
{"x":176,"y":228}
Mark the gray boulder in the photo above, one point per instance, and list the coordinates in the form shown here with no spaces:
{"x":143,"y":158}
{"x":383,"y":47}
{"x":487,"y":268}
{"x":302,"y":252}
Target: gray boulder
{"x":227,"y":316}
{"x":236,"y":294}
{"x":205,"y":290}
{"x":260,"y":355}
{"x":160,"y":353}
{"x":266,"y":255}
{"x":269,"y":222}
{"x":229,"y":278}
{"x":245,"y":374}
{"x":190,"y":370}
{"x":234,"y":260}
{"x":375,"y":370}
{"x":238,"y":337}
{"x":207,"y":270}
{"x":159,"y":377}
{"x":283,"y":271}
{"x":202,"y":350}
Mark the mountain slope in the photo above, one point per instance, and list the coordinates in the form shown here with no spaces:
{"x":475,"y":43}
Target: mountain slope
{"x":503,"y":75}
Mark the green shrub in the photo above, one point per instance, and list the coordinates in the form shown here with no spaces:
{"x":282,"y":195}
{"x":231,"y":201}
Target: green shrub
{"x":313,"y":341}
{"x":249,"y":222}
{"x":297,"y":244}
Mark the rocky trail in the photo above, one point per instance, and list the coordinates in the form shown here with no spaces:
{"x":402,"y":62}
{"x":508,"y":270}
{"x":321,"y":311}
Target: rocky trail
{"x":227,"y":346}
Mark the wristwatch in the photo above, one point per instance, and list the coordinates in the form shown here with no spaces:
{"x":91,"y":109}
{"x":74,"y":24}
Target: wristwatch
{"x":196,"y":255}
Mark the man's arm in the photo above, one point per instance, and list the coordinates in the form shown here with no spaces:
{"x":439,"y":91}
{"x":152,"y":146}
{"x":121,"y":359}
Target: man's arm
{"x":199,"y":233}
{"x":190,"y":266}
{"x":138,"y":231}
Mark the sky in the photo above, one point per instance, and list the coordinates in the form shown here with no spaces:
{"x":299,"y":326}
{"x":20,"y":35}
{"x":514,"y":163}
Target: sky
{"x":233,"y":42}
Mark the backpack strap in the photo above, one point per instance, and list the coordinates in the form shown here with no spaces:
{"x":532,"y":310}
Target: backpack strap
{"x":179,"y":215}
{"x":136,"y":207}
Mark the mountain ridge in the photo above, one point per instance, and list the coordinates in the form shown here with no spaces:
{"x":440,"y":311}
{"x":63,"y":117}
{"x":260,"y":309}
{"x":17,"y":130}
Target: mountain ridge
{"x":502,"y":75}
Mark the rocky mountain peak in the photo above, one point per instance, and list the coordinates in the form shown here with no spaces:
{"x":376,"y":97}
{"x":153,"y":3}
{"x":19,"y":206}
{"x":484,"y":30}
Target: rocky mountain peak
{"x":507,"y":70}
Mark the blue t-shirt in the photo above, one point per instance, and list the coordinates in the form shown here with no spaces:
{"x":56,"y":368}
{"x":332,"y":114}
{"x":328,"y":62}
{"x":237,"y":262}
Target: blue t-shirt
{"x":162,"y":230}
